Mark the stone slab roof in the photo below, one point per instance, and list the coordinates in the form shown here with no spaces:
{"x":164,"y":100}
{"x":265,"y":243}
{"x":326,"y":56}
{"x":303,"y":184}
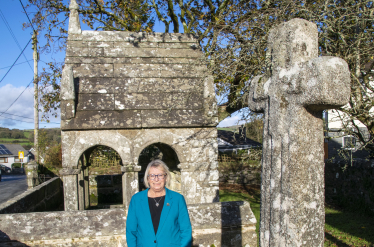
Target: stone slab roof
{"x":135,"y":80}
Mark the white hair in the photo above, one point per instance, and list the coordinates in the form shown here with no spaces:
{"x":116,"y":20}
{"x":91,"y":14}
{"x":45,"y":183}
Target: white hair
{"x":159,"y":164}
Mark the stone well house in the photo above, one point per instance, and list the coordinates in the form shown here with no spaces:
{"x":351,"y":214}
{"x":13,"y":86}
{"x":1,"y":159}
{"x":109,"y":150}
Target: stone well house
{"x":129,"y":90}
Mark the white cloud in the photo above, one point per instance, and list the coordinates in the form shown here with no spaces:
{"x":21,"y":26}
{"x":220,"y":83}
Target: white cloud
{"x":23,"y":107}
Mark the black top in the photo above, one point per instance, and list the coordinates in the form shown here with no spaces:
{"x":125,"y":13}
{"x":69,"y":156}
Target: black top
{"x":156,"y":211}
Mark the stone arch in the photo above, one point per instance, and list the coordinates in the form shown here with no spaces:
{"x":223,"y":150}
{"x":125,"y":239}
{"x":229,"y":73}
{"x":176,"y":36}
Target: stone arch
{"x":177,"y":149}
{"x":168,"y":155}
{"x":75,"y":145}
{"x":124,"y":158}
{"x":100,"y":187}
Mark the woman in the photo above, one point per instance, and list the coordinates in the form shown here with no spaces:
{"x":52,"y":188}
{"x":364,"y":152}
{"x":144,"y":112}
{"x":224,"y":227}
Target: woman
{"x":158,"y":216}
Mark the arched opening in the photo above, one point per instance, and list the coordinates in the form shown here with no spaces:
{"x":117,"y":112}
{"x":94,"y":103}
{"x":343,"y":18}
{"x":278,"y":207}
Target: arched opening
{"x":101,"y":179}
{"x":165,"y":153}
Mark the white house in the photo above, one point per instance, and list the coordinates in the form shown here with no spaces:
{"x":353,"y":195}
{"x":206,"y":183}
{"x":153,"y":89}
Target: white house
{"x":338,"y":134}
{"x":9,"y":154}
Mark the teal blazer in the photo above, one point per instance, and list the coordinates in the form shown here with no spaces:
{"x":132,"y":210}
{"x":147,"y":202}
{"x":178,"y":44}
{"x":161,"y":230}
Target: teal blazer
{"x":174,"y":228}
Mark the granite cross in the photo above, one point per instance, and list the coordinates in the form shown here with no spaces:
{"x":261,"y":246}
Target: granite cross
{"x":297,"y":86}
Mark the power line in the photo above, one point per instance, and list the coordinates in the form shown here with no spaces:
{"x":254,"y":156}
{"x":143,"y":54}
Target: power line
{"x":23,"y":117}
{"x":27,"y":16}
{"x":16,"y":64}
{"x":17,"y":120}
{"x":15,"y":61}
{"x":12,"y":34}
{"x":28,"y":122}
{"x":16,"y":115}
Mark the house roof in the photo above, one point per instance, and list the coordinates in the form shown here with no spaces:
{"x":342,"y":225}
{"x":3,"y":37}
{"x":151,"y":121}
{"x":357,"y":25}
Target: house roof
{"x":236,"y":139}
{"x":14,"y":149}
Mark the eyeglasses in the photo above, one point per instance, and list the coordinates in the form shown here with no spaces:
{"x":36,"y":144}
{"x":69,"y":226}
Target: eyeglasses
{"x":159,"y":176}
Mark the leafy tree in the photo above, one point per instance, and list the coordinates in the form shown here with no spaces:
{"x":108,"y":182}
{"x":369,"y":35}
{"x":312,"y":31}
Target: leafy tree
{"x":255,"y":127}
{"x":233,"y":36}
{"x":53,"y":156}
{"x":5,"y":134}
{"x":16,"y":134}
{"x":49,"y":149}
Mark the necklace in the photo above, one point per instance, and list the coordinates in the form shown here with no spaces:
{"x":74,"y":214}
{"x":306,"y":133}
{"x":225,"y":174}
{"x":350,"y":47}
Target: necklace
{"x":157,"y":203}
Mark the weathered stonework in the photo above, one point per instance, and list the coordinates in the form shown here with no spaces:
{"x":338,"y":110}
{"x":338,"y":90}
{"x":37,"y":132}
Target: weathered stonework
{"x":227,"y":224}
{"x":32,"y":174}
{"x":110,"y":80}
{"x":196,"y":149}
{"x":292,"y":95}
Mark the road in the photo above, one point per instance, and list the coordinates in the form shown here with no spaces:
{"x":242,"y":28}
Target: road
{"x":11,"y":186}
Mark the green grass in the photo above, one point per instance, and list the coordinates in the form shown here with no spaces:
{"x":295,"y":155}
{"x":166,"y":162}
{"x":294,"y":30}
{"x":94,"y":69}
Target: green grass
{"x":10,"y":140}
{"x":341,"y":228}
{"x":21,"y":141}
{"x":348,"y":228}
{"x":27,"y":133}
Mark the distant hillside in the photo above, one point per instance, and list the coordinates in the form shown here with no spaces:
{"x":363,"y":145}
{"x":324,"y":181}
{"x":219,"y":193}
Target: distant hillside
{"x":26,"y":137}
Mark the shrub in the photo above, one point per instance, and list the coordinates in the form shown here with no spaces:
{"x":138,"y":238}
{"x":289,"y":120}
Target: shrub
{"x":53,"y":156}
{"x":16,"y":165}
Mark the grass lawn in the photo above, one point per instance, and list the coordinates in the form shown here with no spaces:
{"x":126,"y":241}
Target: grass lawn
{"x":11,"y":140}
{"x":341,"y":228}
{"x":27,"y":133}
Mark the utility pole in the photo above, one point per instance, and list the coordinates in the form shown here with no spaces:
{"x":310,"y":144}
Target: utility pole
{"x":36,"y":98}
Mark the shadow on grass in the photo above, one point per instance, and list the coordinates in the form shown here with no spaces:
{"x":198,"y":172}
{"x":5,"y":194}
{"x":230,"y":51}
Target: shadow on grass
{"x":342,"y":228}
{"x":349,"y":227}
{"x":331,"y":240}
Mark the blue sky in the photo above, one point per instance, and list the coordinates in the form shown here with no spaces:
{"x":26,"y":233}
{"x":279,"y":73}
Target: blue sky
{"x":20,"y":114}
{"x":17,"y":81}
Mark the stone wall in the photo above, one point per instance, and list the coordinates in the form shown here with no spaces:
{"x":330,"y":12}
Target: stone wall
{"x":248,"y":176}
{"x":44,"y":197}
{"x":227,"y":224}
{"x":349,"y":186}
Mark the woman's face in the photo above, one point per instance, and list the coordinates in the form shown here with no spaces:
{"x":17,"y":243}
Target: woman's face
{"x":157,"y":184}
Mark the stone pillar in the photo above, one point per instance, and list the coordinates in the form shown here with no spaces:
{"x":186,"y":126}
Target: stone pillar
{"x":32,"y":174}
{"x":199,"y":182}
{"x":130,"y":182}
{"x":86,"y":187}
{"x":81,"y":190}
{"x":70,"y":180}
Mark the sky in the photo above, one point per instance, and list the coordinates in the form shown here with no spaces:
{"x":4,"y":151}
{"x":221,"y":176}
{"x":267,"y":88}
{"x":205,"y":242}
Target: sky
{"x":17,"y":83}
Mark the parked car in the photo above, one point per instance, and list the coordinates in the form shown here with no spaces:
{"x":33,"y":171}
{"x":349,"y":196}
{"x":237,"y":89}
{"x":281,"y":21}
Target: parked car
{"x":5,"y":169}
{"x":0,"y":175}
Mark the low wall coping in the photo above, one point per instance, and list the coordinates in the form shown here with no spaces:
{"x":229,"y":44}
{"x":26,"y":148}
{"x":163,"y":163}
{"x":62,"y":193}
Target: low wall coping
{"x":112,"y":222}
